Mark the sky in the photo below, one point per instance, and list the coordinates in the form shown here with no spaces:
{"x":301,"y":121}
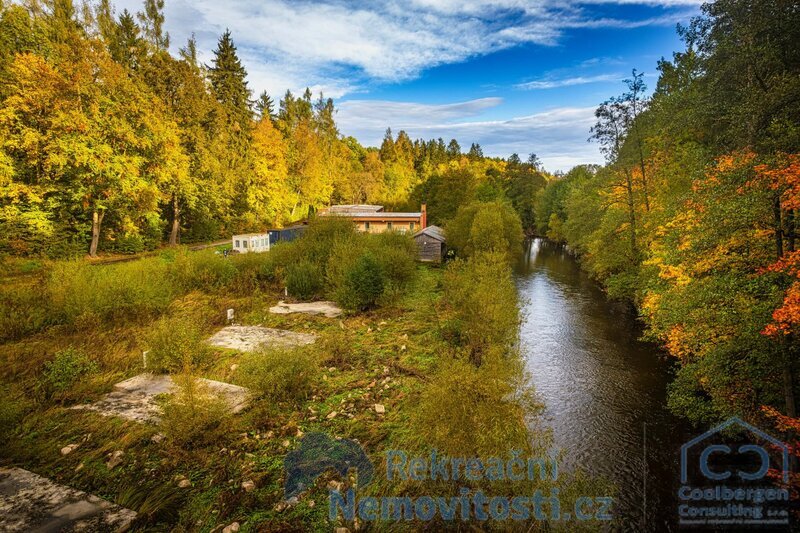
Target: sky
{"x":515,"y":76}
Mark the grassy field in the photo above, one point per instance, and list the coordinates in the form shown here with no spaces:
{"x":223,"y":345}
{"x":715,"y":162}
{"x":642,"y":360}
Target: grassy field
{"x":74,"y":330}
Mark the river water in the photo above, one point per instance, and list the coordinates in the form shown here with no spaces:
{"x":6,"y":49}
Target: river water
{"x":604,"y":390}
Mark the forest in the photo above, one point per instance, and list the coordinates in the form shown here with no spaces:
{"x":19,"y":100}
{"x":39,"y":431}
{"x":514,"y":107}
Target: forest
{"x":693,"y":216}
{"x":108,"y":143}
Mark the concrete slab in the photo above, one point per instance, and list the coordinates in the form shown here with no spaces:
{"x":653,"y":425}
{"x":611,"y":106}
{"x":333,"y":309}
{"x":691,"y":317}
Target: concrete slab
{"x":328,"y":309}
{"x":134,"y":398}
{"x":29,"y":502}
{"x":251,"y":338}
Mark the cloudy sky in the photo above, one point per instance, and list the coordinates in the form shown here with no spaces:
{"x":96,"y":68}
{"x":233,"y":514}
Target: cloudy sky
{"x":514,"y":75}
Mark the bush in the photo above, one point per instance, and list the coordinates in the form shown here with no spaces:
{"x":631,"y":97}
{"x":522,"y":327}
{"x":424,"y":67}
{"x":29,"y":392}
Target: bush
{"x":203,"y":270}
{"x":337,"y":349}
{"x":176,"y":344}
{"x":280,"y":374}
{"x":65,"y":370}
{"x":458,"y":411}
{"x":26,"y":310}
{"x":363,"y":284}
{"x":485,"y":227}
{"x":194,"y":415}
{"x":304,"y":280}
{"x":13,"y":407}
{"x":141,"y":288}
{"x":481,"y":302}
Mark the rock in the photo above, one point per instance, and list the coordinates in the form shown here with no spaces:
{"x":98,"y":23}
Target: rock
{"x":299,"y":433}
{"x":313,"y":418}
{"x":372,"y":384}
{"x":286,"y":443}
{"x":403,"y":348}
{"x":231,"y":528}
{"x":291,"y":502}
{"x":158,"y":438}
{"x":405,"y":336}
{"x":335,"y":485}
{"x":332,"y":369}
{"x":233,"y":369}
{"x":331,"y":415}
{"x":184,"y":484}
{"x":386,"y":371}
{"x":380,"y":409}
{"x":248,"y":486}
{"x":341,"y":530}
{"x":68,"y":449}
{"x":369,"y":330}
{"x":79,"y":468}
{"x":382,"y":323}
{"x":311,"y":503}
{"x":115,"y":459}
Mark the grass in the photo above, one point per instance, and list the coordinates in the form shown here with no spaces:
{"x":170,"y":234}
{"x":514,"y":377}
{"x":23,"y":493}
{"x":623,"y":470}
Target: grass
{"x":388,"y":355}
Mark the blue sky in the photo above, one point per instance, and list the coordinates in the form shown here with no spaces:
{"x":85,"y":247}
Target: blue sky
{"x":513,"y":75}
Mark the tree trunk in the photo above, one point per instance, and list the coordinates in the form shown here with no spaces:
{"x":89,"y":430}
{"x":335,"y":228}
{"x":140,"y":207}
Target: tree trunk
{"x":776,"y":212}
{"x":97,"y":220}
{"x":644,"y":178}
{"x":176,"y":224}
{"x":631,"y":212}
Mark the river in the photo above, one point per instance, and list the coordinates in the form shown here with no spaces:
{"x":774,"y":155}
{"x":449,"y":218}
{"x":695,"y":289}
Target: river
{"x":604,"y":390}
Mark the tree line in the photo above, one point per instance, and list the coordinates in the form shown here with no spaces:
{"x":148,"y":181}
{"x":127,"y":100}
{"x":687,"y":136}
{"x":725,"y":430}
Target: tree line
{"x":693,"y":217}
{"x":110,"y":143}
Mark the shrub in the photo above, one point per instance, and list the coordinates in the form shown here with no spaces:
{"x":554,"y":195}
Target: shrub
{"x":13,"y":407}
{"x":363,"y":284}
{"x":337,"y":349}
{"x":474,"y":400}
{"x":194,"y":415}
{"x":280,"y":374}
{"x":481,"y":302}
{"x":65,"y":370}
{"x":304,"y":280}
{"x":139,"y":288}
{"x":26,"y":310}
{"x":176,"y":344}
{"x":203,"y":270}
{"x":485,"y":227}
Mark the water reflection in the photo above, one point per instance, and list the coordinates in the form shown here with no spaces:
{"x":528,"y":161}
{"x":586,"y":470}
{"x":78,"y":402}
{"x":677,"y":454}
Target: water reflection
{"x":600,"y":385}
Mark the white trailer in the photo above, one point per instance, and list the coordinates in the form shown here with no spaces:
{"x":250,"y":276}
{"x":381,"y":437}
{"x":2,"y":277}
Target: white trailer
{"x":251,"y":243}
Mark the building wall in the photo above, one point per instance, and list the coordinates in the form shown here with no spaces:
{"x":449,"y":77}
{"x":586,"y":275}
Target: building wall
{"x":382,"y":226}
{"x":429,"y":249}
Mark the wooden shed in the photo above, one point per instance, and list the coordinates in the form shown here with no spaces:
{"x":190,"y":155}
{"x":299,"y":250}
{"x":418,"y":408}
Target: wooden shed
{"x":431,"y":244}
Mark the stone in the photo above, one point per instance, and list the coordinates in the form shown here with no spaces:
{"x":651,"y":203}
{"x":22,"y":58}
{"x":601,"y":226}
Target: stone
{"x":325,"y":308}
{"x":286,"y":443}
{"x":385,"y":370}
{"x":380,"y":409}
{"x":231,"y":528}
{"x":403,"y":348}
{"x":68,"y":449}
{"x":251,"y":338}
{"x":335,"y":485}
{"x":311,"y":503}
{"x":134,"y":398}
{"x":248,"y":486}
{"x":233,"y":369}
{"x":184,"y":483}
{"x":158,"y":438}
{"x":341,"y":530}
{"x":30,"y":502}
{"x":115,"y":460}
{"x":332,"y":369}
{"x":331,"y":415}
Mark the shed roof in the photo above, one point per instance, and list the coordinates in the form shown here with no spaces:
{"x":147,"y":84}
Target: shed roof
{"x":432,"y":231}
{"x":245,"y":235}
{"x":351,"y":208}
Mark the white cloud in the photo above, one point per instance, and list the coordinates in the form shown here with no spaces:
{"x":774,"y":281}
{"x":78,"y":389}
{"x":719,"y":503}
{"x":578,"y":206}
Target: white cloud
{"x":341,"y":46}
{"x":552,"y":83}
{"x":558,"y":135}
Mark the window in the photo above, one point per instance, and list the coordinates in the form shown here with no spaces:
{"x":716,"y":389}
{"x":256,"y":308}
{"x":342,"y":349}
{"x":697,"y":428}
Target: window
{"x":244,"y":244}
{"x":366,"y":226}
{"x":237,"y":244}
{"x":389,"y":226}
{"x":411,"y":226}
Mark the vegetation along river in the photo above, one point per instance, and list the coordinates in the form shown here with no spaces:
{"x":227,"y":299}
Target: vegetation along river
{"x":604,"y":390}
